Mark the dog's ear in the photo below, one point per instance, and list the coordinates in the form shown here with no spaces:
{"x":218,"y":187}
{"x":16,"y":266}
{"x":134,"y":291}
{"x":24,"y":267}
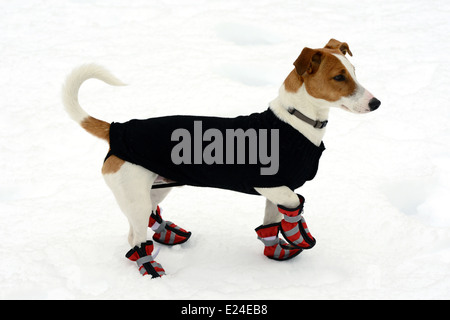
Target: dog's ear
{"x":342,"y":46}
{"x":308,"y":61}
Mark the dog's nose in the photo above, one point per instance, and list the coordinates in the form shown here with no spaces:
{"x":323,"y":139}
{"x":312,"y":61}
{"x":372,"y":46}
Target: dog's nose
{"x":374,"y":103}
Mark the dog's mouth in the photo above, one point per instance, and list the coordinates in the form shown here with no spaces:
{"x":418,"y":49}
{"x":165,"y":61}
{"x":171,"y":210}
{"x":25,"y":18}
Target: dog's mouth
{"x":366,"y":110}
{"x":345,"y":108}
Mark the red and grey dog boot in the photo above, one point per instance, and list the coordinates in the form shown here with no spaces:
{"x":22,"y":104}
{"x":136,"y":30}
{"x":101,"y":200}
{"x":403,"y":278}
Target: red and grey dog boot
{"x":146,"y":262}
{"x":294,"y":228}
{"x":274,"y":247}
{"x":167,"y":232}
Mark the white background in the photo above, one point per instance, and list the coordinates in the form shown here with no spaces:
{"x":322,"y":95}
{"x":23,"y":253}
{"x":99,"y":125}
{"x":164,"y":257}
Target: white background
{"x":378,"y":206}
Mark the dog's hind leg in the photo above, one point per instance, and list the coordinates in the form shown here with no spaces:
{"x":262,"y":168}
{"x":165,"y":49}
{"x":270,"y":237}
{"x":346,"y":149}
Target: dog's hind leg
{"x":158,"y":195}
{"x":131,"y":185}
{"x":166,"y":232}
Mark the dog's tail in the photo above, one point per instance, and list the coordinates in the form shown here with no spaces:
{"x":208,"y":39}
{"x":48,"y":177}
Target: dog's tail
{"x":70,"y":90}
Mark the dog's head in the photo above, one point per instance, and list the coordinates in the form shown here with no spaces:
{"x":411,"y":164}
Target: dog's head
{"x":328,"y":75}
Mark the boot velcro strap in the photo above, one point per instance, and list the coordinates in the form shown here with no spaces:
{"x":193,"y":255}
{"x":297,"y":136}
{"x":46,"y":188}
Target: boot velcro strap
{"x":270,"y":242}
{"x":161,"y":227}
{"x":143,"y":260}
{"x":158,"y":269}
{"x":293,"y":219}
{"x":153,"y":268}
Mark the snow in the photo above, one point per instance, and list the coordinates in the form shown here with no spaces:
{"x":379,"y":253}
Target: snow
{"x":378,"y":206}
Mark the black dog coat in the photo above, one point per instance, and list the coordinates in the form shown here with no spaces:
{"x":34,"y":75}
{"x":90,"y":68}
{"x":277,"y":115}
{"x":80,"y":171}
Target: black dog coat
{"x":148,"y":143}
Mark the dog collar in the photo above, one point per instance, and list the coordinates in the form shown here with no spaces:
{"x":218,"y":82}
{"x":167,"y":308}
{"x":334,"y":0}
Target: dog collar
{"x":315,"y":123}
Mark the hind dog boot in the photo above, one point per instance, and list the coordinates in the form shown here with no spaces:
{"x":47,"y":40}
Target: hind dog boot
{"x":146,"y":262}
{"x":167,"y":232}
{"x":274,"y":247}
{"x":294,"y":228}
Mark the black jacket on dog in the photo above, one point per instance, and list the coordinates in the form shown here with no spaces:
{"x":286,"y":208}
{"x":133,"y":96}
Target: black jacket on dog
{"x":148,"y":143}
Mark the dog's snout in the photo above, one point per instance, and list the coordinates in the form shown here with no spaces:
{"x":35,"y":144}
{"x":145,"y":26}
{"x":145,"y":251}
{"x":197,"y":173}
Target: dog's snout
{"x":374,"y":103}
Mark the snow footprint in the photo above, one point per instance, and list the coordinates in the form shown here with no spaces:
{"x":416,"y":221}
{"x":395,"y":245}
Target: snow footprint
{"x":408,"y":195}
{"x":426,"y":199}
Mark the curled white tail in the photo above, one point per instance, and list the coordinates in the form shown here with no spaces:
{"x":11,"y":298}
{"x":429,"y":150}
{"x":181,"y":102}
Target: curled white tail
{"x":73,"y":84}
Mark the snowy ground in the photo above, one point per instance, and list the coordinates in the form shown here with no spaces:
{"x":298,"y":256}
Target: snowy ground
{"x":378,"y":206}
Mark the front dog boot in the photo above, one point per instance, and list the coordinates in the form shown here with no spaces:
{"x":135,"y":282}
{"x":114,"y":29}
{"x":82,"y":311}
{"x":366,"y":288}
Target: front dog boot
{"x":294,"y":228}
{"x":146,"y":262}
{"x":274,"y":247}
{"x":167,"y":232}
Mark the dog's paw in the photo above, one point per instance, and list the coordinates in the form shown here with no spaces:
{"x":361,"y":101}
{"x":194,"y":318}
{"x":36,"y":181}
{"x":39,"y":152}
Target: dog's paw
{"x":274,"y":247}
{"x":294,"y":228}
{"x":167,"y":232}
{"x":145,"y":260}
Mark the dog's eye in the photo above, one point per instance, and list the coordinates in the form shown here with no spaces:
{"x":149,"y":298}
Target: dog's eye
{"x":339,"y":77}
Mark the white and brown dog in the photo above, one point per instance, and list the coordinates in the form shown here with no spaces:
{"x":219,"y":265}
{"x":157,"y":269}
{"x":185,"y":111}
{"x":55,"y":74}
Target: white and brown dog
{"x":322,"y":78}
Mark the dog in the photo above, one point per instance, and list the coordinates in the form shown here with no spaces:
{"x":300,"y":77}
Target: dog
{"x":149,"y":157}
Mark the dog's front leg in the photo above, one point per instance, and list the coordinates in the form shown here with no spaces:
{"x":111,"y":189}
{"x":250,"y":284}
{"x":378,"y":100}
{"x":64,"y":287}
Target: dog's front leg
{"x":283,"y":196}
{"x":284,"y":204}
{"x":274,"y":247}
{"x":271,"y":213}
